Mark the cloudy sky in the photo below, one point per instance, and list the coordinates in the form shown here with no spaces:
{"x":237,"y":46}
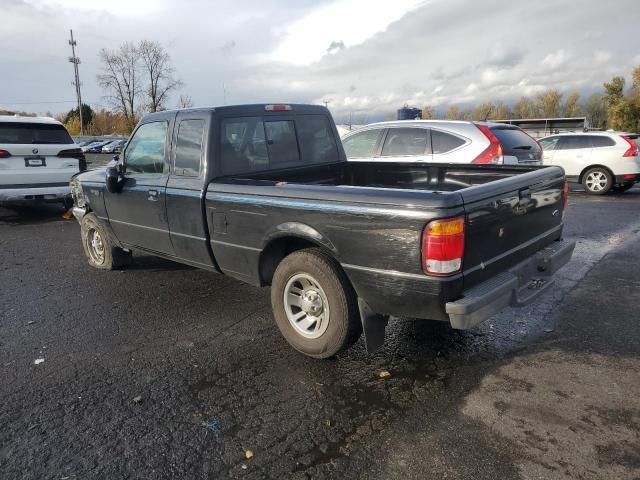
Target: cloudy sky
{"x":368,"y":56}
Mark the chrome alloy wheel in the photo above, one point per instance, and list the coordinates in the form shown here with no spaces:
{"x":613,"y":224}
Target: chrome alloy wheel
{"x":596,"y":181}
{"x":95,"y":246}
{"x":306,"y":305}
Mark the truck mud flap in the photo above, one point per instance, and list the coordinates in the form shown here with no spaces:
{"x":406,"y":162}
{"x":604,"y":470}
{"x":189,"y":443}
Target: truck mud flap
{"x":373,"y":326}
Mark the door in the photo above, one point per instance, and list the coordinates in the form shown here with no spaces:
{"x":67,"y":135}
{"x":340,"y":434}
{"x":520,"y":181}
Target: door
{"x":137,"y":212}
{"x":185,"y":186}
{"x":573,"y":153}
{"x":406,"y":144}
{"x":363,"y":145}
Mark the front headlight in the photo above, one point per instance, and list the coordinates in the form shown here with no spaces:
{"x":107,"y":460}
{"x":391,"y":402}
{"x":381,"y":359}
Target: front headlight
{"x":77,"y":193}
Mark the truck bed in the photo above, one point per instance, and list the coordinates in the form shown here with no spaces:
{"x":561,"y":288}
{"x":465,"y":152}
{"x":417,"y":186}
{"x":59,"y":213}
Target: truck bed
{"x":371,"y":216}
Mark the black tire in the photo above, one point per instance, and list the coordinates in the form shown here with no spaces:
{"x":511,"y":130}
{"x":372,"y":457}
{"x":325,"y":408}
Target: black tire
{"x":343,"y":326}
{"x":108,"y":256}
{"x":597,"y":181}
{"x":622,"y":188}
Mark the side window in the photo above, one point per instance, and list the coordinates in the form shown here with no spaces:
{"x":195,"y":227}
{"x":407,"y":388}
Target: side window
{"x":573,"y":142}
{"x":601,"y":141}
{"x":317,"y":140}
{"x":444,"y":142}
{"x":549,"y":143}
{"x":281,"y":142}
{"x":362,"y":144}
{"x":146,"y":150}
{"x":405,"y":141}
{"x":189,"y":148}
{"x":242,"y":145}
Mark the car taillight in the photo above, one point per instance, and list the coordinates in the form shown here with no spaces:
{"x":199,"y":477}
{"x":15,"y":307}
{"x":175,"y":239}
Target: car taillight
{"x":76,"y":153}
{"x":443,"y":246}
{"x":494,"y":152}
{"x":633,"y":148}
{"x":565,"y":197}
{"x":4,"y":154}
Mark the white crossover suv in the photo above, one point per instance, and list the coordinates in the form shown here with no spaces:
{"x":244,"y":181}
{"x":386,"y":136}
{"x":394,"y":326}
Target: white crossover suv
{"x":38,"y":157}
{"x":601,"y":161}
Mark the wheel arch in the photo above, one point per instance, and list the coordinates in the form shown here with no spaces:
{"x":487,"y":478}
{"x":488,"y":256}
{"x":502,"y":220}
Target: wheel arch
{"x":597,"y":165}
{"x":285,"y":239}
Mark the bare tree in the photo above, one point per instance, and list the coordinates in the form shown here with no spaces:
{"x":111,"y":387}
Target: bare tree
{"x":524,"y":108}
{"x":571,"y":107}
{"x":159,"y":73}
{"x":428,"y":112}
{"x":120,"y":79}
{"x":185,"y":101}
{"x":452,"y":113}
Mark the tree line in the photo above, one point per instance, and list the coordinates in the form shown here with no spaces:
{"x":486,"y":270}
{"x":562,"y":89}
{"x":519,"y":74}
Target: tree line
{"x":136,"y":79}
{"x":616,"y":107}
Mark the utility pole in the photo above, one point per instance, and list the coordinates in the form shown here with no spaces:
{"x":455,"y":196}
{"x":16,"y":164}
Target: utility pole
{"x":76,"y":61}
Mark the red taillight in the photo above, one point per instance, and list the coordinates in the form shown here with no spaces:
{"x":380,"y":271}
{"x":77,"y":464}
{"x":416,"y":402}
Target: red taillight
{"x":4,"y":154}
{"x":493,"y":153}
{"x":443,"y":246}
{"x":633,"y":148}
{"x":76,"y":153}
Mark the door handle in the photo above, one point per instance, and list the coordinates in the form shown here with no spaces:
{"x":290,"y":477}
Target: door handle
{"x":153,"y":196}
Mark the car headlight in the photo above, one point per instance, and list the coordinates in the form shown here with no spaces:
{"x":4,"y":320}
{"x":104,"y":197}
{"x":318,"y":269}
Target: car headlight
{"x":77,"y":193}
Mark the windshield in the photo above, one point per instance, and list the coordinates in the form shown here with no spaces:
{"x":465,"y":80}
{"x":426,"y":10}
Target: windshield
{"x":33,"y":133}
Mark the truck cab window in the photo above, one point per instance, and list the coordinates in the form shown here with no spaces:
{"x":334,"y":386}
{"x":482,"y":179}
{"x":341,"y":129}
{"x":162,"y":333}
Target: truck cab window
{"x":317,"y":142}
{"x":189,"y":148}
{"x":146,"y":150}
{"x":242,"y":145}
{"x":281,"y":142}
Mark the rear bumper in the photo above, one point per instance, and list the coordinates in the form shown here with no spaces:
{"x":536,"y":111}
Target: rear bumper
{"x":30,"y":193}
{"x":517,"y":286}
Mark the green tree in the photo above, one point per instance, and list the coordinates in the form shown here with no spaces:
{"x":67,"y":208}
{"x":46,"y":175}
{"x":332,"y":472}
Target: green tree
{"x":87,"y":115}
{"x":596,"y":111}
{"x":620,"y":114}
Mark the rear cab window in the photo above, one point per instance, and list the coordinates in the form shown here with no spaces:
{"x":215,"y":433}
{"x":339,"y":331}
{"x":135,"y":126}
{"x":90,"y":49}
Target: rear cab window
{"x":254,"y":143}
{"x":34,"y":133}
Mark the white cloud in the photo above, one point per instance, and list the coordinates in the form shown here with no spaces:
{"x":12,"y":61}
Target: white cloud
{"x":556,"y":59}
{"x":346,"y":22}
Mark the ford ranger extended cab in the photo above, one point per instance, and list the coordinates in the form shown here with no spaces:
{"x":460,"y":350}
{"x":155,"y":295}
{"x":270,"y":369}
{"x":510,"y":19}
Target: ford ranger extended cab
{"x":264,"y":193}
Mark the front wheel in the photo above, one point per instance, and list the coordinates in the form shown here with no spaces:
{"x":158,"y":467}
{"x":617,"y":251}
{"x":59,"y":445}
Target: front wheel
{"x":99,"y":247}
{"x":597,"y":181}
{"x":314,"y":304}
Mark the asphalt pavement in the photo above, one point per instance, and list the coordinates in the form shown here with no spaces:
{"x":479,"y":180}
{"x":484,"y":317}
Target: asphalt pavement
{"x":164,"y":371}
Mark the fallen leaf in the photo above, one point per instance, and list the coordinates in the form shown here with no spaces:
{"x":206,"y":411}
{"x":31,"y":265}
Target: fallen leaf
{"x":137,"y":399}
{"x":38,"y":361}
{"x":248,"y":453}
{"x":384,"y":374}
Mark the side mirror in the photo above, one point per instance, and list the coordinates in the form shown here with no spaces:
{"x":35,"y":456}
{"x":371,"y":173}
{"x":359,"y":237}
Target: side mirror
{"x":112,"y":179}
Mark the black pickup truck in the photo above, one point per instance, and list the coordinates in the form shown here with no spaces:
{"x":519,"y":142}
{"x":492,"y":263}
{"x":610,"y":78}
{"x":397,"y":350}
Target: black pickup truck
{"x":264,"y":193}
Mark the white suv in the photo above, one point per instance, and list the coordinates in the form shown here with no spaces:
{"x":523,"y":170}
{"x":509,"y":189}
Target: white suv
{"x":446,"y":141}
{"x":38,"y":157}
{"x":601,"y":161}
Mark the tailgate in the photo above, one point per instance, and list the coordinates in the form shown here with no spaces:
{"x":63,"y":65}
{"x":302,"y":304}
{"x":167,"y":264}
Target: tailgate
{"x":510,"y":219}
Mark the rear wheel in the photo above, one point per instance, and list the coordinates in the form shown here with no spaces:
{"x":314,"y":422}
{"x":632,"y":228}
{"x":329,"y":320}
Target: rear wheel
{"x":597,"y":181}
{"x":99,"y":247}
{"x":314,"y":305}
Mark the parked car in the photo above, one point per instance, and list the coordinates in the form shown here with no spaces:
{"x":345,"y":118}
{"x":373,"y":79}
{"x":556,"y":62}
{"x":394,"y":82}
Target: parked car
{"x":601,"y":161}
{"x":95,"y":147}
{"x":114,"y":146}
{"x":37,"y":159}
{"x":264,"y":193}
{"x":442,"y":141}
